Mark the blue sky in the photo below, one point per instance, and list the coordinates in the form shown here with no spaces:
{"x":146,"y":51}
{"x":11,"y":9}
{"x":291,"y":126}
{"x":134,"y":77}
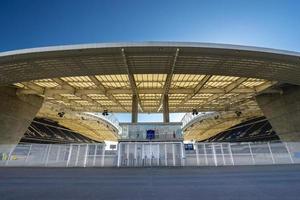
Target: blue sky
{"x":265,"y":23}
{"x":32,"y":23}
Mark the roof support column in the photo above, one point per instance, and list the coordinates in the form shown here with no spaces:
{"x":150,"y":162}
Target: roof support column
{"x":166,"y":108}
{"x":134,"y":110}
{"x":282,"y":109}
{"x":16,"y":114}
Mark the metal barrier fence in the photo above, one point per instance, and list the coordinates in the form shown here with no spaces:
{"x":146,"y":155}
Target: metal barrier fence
{"x":143,"y":154}
{"x":216,"y":154}
{"x":58,"y":155}
{"x":147,"y":154}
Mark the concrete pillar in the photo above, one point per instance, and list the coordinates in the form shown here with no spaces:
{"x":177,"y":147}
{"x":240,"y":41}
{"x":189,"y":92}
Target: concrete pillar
{"x":166,"y":113}
{"x":134,"y":110}
{"x":16,"y":114}
{"x":283,"y":111}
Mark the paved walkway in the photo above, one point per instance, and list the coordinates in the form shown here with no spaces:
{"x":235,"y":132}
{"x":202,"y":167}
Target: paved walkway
{"x":247,"y":182}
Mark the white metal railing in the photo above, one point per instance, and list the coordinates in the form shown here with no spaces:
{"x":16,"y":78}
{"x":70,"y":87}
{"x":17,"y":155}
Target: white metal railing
{"x":189,"y":118}
{"x":111,"y":118}
{"x":216,"y":154}
{"x":141,"y":154}
{"x":148,"y":154}
{"x":58,"y":155}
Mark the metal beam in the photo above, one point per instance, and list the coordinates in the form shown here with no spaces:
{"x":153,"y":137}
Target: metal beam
{"x":131,"y":79}
{"x":206,"y":108}
{"x":168,"y":81}
{"x":227,"y":89}
{"x":36,"y":88}
{"x":66,"y":85}
{"x":52,"y":91}
{"x":197,"y":89}
{"x":104,"y":91}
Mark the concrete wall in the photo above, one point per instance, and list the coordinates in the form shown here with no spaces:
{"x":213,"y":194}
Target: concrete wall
{"x":16,"y":114}
{"x":283,"y":111}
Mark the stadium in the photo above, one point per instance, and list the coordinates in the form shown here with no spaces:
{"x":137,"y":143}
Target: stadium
{"x":58,"y":103}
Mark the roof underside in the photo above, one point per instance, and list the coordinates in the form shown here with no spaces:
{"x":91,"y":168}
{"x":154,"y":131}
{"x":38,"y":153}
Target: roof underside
{"x":105,"y":76}
{"x":208,"y":77}
{"x":114,"y":92}
{"x":149,"y":58}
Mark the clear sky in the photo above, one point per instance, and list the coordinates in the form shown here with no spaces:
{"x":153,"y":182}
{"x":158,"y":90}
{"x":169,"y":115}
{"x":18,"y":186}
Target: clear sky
{"x":265,"y":23}
{"x":32,"y":23}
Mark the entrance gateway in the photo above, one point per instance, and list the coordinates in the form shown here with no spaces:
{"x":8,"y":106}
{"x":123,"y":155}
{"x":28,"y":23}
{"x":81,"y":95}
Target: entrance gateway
{"x":151,"y":144}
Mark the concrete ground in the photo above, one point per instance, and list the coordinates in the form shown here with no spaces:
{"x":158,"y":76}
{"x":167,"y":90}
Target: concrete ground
{"x":247,"y":182}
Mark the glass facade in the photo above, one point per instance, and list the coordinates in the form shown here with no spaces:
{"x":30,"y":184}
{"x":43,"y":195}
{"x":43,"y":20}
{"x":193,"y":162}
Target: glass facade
{"x":151,"y":131}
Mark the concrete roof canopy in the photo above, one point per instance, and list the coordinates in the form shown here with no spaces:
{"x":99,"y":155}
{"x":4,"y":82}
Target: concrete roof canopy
{"x":94,"y":77}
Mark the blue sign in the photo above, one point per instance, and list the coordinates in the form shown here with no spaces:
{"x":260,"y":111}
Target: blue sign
{"x":150,"y":134}
{"x":189,"y":147}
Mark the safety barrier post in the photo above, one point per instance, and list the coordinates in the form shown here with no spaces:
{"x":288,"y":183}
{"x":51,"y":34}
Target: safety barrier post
{"x":58,"y":153}
{"x":119,"y":154}
{"x":143,"y":155}
{"x":230,"y":151}
{"x":135,"y":151}
{"x":103,"y":155}
{"x":48,"y":153}
{"x":182,"y":154}
{"x":85,"y":155}
{"x":173,"y":152}
{"x":288,"y":150}
{"x":271,"y":153}
{"x":151,"y":154}
{"x":205,"y":154}
{"x":95,"y":154}
{"x":77,"y":154}
{"x":69,"y":155}
{"x":166,"y":159}
{"x":253,"y":160}
{"x":158,"y":159}
{"x":28,"y":153}
{"x":221,"y":145}
{"x":9,"y":155}
{"x":197,"y":155}
{"x":214,"y":154}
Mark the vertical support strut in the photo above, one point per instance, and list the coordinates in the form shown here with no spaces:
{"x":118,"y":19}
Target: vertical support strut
{"x":288,"y":150}
{"x":28,"y":153}
{"x":103,"y":155}
{"x":48,"y":153}
{"x":222,"y":151}
{"x":230,"y":151}
{"x":69,"y":156}
{"x":135,"y":106}
{"x":85,"y":155}
{"x":166,"y":108}
{"x":95,"y":154}
{"x":77,"y":155}
{"x":182,"y":154}
{"x":135,"y":158}
{"x":197,"y":154}
{"x":253,"y":160}
{"x":166,"y":155}
{"x":173,"y":152}
{"x":214,"y":154}
{"x":205,"y":154}
{"x":271,"y":153}
{"x":151,"y":153}
{"x":119,"y":154}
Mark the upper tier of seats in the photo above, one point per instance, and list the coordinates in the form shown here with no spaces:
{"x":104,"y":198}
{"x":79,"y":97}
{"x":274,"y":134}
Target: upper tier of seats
{"x":257,"y":129}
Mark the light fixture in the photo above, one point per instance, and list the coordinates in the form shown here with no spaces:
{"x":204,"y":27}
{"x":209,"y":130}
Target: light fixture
{"x":194,"y":112}
{"x":61,"y":114}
